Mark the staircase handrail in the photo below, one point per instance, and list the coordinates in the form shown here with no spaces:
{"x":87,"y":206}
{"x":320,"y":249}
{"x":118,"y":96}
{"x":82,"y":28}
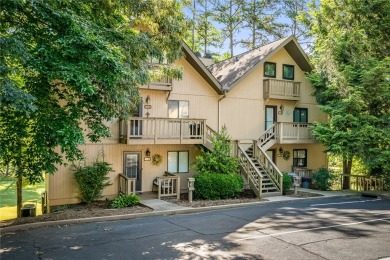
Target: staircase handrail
{"x":210,"y":132}
{"x":278,"y":181}
{"x":258,"y":183}
{"x":268,"y":134}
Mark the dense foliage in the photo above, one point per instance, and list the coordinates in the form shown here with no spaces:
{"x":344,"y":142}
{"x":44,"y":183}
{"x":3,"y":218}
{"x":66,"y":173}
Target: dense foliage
{"x":287,"y":183}
{"x":218,"y":161}
{"x":245,"y":23}
{"x":351,"y":80}
{"x":211,"y":186}
{"x":91,"y":180}
{"x":124,"y":201}
{"x":324,"y":178}
{"x":68,"y":67}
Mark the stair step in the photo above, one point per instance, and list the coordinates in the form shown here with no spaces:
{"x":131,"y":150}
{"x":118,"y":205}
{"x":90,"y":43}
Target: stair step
{"x":267,"y":190}
{"x":270,"y":194}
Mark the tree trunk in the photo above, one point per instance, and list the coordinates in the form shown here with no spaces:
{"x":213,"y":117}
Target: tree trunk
{"x":231,"y":30}
{"x":193,"y":27}
{"x":19,"y":187}
{"x":347,"y":166}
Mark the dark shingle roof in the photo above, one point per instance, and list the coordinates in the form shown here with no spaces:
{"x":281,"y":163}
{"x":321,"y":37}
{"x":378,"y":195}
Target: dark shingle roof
{"x":230,"y":71}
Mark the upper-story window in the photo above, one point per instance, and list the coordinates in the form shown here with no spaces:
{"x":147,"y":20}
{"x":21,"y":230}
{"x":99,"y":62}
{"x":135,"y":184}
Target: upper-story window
{"x":300,"y":115}
{"x":178,"y":109}
{"x":270,"y":69}
{"x":288,"y":71}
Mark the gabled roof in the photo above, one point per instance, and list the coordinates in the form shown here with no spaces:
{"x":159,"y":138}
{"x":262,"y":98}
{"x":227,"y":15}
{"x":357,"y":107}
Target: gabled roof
{"x":229,"y":72}
{"x":198,"y":65}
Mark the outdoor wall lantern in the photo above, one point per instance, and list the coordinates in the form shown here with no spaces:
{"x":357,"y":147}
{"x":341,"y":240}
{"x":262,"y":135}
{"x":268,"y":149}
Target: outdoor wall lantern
{"x":281,"y":107}
{"x":147,"y":106}
{"x":147,"y":153}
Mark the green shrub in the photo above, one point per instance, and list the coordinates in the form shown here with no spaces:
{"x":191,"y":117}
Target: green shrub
{"x":211,"y":186}
{"x":124,"y":201}
{"x":287,"y":183}
{"x":219,"y":160}
{"x":91,"y":180}
{"x":324,"y":178}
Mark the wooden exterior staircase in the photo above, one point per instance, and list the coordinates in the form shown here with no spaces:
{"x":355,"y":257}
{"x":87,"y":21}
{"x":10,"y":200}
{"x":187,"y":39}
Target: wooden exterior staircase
{"x":261,"y":174}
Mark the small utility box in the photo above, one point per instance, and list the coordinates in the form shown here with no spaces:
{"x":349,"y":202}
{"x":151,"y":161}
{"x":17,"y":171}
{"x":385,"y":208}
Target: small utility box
{"x":191,"y":188}
{"x":28,"y":210}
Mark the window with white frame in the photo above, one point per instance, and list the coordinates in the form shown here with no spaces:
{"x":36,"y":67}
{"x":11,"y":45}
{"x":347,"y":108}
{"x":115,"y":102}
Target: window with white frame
{"x":178,"y":162}
{"x":178,"y":109}
{"x":300,"y":157}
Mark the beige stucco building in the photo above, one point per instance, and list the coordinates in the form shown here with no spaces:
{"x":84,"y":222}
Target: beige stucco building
{"x":263,"y":98}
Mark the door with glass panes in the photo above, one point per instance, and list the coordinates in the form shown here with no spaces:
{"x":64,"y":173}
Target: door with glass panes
{"x":132,"y":168}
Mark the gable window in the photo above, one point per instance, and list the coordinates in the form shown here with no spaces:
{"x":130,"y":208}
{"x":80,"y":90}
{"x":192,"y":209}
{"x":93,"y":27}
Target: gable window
{"x":288,"y":71}
{"x":178,"y":109}
{"x":300,"y":157}
{"x":300,"y":115}
{"x":270,"y":69}
{"x":178,"y":161}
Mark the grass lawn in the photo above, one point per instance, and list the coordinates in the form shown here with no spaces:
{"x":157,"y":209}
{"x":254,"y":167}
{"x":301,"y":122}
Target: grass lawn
{"x":31,"y":193}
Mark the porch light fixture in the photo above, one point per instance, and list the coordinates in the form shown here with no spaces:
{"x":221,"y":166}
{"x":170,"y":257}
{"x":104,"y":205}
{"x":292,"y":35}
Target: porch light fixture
{"x":281,"y":107}
{"x":280,"y":150}
{"x":147,"y":153}
{"x":147,"y":106}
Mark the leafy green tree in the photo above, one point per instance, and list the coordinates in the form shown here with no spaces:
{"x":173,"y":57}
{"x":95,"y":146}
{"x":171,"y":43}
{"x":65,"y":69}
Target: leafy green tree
{"x":296,"y":13}
{"x":229,"y":14}
{"x":219,"y":160}
{"x":221,"y":57}
{"x":191,"y":36}
{"x":207,"y":33}
{"x":261,"y":19}
{"x":67,"y":67}
{"x":351,"y":80}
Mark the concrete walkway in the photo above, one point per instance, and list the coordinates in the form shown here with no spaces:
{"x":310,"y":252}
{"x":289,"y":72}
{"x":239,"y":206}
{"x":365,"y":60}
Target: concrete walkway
{"x":161,"y":205}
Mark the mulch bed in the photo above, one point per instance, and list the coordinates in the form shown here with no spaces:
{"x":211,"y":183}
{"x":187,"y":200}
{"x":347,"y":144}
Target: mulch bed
{"x":76,"y":211}
{"x":302,"y":194}
{"x":246,"y":197}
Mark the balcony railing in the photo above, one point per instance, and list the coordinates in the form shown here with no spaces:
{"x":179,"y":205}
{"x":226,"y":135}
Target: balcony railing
{"x":141,"y":130}
{"x":294,"y":133}
{"x":282,"y":89}
{"x":164,"y":83}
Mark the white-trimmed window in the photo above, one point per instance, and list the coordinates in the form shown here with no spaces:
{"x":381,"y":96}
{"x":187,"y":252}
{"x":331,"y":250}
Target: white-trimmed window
{"x":178,"y":109}
{"x":178,"y":162}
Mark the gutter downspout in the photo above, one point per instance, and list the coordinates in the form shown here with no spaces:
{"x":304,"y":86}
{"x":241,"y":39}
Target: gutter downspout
{"x":219,"y":109}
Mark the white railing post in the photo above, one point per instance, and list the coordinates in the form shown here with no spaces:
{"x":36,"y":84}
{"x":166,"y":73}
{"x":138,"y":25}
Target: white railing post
{"x":177,"y":188}
{"x":181,"y":130}
{"x":281,"y":132}
{"x":155,"y":130}
{"x":260,"y":181}
{"x":298,"y":131}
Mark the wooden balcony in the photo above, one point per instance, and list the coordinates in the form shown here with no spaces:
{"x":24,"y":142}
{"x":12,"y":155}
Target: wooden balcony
{"x":142,"y":130}
{"x":164,"y":84}
{"x":293,"y":133}
{"x":281,"y":89}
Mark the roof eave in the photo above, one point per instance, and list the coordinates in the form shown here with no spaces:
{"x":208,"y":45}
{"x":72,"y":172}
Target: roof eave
{"x":197,"y":64}
{"x":294,"y":50}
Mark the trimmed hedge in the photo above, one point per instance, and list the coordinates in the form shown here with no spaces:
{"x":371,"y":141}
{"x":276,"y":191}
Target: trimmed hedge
{"x":324,"y":178}
{"x":287,"y":183}
{"x":211,"y":186}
